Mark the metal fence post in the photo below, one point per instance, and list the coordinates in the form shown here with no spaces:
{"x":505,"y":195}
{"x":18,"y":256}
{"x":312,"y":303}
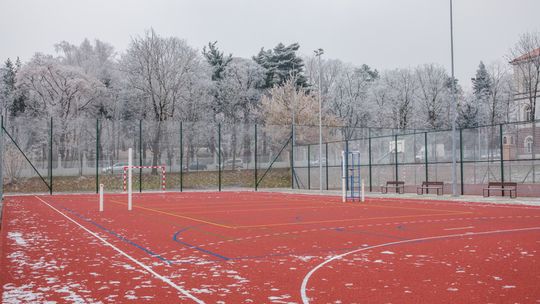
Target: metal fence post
{"x":347,"y":164}
{"x":97,"y":155}
{"x":140,"y":155}
{"x":396,"y":156}
{"x":308,"y":168}
{"x":461,"y":160}
{"x":219,"y":156}
{"x":181,"y":158}
{"x":50,"y":159}
{"x":292,"y":154}
{"x":1,"y":160}
{"x":501,"y":151}
{"x":326,"y":163}
{"x":369,"y":160}
{"x":426,"y":156}
{"x":255,"y":159}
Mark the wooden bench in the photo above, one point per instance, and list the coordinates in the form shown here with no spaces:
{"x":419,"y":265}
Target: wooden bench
{"x":430,"y":185}
{"x":398,"y":185}
{"x":501,"y":186}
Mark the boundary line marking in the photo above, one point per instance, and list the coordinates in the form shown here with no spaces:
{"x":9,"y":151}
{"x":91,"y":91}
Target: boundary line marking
{"x":177,"y":215}
{"x":350,"y":220}
{"x":217,"y":255}
{"x":148,"y":269}
{"x":459,"y":228}
{"x":305,"y":298}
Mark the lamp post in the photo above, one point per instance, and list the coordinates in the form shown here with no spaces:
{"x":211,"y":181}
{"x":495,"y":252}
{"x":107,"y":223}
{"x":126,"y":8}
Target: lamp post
{"x":454,"y":106}
{"x":319,"y":53}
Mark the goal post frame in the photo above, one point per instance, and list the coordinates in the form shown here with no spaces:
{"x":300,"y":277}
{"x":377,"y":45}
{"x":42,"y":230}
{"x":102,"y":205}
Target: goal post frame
{"x":163,"y":175}
{"x":352,"y":184}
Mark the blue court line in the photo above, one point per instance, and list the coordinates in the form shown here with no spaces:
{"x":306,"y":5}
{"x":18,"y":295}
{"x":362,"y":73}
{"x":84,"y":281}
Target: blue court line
{"x":148,"y":251}
{"x":175,"y":238}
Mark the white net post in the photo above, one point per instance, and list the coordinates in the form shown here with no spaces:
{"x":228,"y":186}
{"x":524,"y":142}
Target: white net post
{"x":101,"y":197}
{"x":130,"y":169}
{"x":362,"y":196}
{"x":343,"y":177}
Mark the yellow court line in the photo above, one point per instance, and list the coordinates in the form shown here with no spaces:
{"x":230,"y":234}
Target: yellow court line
{"x":249,"y":210}
{"x":347,"y":220}
{"x":176,"y":215}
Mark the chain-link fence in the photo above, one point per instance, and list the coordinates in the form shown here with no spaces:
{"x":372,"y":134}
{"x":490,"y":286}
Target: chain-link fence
{"x":53,"y":155}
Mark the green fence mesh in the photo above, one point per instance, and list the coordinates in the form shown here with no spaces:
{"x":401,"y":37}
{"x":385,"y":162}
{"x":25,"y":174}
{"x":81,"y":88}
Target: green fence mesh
{"x":43,"y":155}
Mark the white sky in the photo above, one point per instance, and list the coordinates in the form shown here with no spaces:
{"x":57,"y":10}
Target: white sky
{"x":384,"y":34}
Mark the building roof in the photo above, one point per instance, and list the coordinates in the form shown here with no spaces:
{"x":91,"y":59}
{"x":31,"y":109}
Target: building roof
{"x":532,"y":54}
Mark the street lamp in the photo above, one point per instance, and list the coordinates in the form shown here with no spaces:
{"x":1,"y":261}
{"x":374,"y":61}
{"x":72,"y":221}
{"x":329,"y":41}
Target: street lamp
{"x":454,"y":107}
{"x":318,"y":53}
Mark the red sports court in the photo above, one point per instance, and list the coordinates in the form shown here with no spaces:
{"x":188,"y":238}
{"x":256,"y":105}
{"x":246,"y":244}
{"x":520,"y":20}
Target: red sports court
{"x":265,"y":247}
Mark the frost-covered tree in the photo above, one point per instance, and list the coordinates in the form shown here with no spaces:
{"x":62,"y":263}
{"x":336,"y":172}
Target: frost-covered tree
{"x":433,"y":95}
{"x":60,"y":91}
{"x":277,"y":108}
{"x":216,"y":59}
{"x":281,"y":63}
{"x":12,"y":98}
{"x":499,"y":98}
{"x":7,"y":88}
{"x":97,"y":60}
{"x":161,"y":71}
{"x":399,"y":102}
{"x":347,"y":96}
{"x":468,"y":112}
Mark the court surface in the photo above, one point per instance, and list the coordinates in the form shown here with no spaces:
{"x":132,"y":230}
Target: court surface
{"x":247,"y":247}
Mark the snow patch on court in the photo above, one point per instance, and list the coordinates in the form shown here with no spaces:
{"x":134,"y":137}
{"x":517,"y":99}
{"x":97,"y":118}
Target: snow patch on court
{"x":280,"y":299}
{"x":17,"y":237}
{"x":305,"y":258}
{"x":21,"y":294}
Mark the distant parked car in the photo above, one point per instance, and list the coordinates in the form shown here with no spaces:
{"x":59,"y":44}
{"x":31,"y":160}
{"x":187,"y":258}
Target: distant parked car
{"x":316,"y":162}
{"x":228,"y":164}
{"x":196,"y":167}
{"x":116,"y":168}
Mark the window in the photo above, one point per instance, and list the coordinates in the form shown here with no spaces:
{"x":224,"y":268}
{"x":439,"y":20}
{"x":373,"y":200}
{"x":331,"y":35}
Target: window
{"x":527,"y":113}
{"x":508,"y":140}
{"x":528,"y":144}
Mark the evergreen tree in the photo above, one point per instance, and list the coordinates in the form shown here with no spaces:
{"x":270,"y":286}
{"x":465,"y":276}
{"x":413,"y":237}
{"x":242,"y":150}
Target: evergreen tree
{"x":18,"y":104}
{"x":217,"y":60}
{"x":368,"y":74}
{"x":468,"y":114}
{"x":8,"y":85}
{"x":280,"y":64}
{"x":482,"y":83}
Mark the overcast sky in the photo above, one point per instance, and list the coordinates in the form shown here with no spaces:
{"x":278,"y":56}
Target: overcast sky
{"x":384,"y":34}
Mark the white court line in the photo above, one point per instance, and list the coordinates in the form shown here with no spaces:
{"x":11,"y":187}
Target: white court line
{"x":303,"y":293}
{"x":148,"y":269}
{"x":460,"y":228}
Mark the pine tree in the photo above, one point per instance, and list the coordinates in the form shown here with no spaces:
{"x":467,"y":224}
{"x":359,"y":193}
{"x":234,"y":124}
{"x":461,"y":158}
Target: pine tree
{"x":8,"y":85}
{"x":18,"y":104}
{"x":217,"y":60}
{"x":281,"y":63}
{"x":482,"y":83}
